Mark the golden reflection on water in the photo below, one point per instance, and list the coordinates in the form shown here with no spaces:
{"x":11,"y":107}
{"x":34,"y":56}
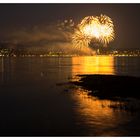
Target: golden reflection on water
{"x":94,"y":113}
{"x":93,"y":65}
{"x":97,"y":116}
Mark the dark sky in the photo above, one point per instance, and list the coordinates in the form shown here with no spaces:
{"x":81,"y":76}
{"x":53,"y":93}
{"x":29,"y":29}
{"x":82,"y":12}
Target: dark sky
{"x":126,"y":18}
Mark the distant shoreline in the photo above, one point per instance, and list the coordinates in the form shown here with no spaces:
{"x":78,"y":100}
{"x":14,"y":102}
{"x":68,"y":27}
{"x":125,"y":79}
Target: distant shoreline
{"x":69,"y":55}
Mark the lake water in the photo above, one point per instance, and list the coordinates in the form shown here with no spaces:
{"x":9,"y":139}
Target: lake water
{"x":35,"y":99}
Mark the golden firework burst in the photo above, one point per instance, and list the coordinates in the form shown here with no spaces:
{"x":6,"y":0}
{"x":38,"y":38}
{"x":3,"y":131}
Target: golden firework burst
{"x":80,"y":40}
{"x":99,"y":28}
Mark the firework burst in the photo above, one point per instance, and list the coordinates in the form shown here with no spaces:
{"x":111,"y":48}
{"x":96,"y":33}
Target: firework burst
{"x":99,"y":29}
{"x":80,"y":40}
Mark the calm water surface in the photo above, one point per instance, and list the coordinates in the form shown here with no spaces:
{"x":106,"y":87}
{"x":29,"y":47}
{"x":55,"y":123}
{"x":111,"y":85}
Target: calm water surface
{"x":35,"y":99}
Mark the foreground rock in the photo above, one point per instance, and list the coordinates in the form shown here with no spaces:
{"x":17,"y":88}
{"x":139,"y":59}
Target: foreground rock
{"x":110,"y":86}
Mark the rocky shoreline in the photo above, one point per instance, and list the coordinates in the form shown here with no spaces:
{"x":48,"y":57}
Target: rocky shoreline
{"x":110,"y":86}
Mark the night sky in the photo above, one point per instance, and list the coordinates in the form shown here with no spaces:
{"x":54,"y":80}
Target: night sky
{"x":126,"y":18}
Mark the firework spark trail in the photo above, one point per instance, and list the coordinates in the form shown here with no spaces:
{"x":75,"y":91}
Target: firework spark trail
{"x":80,"y":40}
{"x":99,"y":29}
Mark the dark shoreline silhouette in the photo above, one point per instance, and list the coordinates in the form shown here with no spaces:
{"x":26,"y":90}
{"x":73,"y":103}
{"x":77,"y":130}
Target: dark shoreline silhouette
{"x":110,"y":86}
